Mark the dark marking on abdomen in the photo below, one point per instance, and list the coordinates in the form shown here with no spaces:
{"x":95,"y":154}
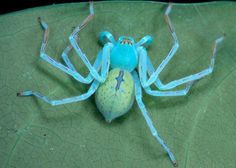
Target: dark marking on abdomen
{"x":119,"y":79}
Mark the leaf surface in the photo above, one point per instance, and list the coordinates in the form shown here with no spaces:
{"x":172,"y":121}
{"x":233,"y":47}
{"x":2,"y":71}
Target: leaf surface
{"x":199,"y":128}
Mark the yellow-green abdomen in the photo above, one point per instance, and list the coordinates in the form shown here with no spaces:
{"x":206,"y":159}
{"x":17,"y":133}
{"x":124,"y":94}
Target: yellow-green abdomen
{"x":116,"y":95}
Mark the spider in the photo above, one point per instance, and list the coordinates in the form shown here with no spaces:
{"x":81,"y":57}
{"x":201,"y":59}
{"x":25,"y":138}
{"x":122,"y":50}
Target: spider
{"x":120,"y":72}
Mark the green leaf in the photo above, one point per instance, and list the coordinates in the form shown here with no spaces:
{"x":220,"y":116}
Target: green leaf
{"x":199,"y":128}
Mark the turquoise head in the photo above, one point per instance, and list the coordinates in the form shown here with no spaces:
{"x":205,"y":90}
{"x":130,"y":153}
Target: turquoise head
{"x":124,"y":54}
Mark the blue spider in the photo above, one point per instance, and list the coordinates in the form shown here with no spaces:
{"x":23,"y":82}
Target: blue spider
{"x":113,"y":75}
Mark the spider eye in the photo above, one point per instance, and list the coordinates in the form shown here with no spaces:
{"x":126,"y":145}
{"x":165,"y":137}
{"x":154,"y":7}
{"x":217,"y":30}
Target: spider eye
{"x":126,"y":41}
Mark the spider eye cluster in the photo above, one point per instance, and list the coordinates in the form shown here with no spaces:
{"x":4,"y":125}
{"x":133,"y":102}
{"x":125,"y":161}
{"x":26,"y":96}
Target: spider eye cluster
{"x":125,"y":41}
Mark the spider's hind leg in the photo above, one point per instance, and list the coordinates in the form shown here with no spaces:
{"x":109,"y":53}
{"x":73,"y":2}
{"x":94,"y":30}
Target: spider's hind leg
{"x":138,"y":95}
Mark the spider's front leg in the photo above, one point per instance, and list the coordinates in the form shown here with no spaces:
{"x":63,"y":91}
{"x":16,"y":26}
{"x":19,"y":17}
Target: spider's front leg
{"x":155,"y":73}
{"x":105,"y":52}
{"x":54,"y":63}
{"x":144,"y":66}
{"x":102,"y":59}
{"x":97,"y":64}
{"x":138,"y":95}
{"x":146,"y":40}
{"x":105,"y":37}
{"x":190,"y":78}
{"x":105,"y":61}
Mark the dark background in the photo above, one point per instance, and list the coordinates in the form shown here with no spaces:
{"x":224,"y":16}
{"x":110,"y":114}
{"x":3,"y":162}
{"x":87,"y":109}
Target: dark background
{"x":7,"y":6}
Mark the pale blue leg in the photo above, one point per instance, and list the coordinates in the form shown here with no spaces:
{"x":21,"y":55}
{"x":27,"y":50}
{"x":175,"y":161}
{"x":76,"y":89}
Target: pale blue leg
{"x":65,"y":58}
{"x":182,"y":92}
{"x":105,"y":37}
{"x":189,"y":78}
{"x":145,"y":41}
{"x":104,"y":61}
{"x":84,"y":96}
{"x":154,"y":75}
{"x":144,"y":66}
{"x":138,"y":94}
{"x":78,"y":50}
{"x":97,"y":63}
{"x":56,"y":64}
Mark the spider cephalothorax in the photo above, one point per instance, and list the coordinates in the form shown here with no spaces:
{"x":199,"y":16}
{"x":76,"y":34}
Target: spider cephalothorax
{"x":124,"y":54}
{"x":119,"y":73}
{"x":126,"y":40}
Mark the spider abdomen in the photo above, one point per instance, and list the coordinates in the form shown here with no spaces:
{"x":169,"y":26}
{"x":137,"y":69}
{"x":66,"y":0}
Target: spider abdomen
{"x":116,"y":95}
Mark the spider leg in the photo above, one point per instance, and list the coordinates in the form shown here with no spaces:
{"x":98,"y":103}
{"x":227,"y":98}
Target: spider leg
{"x":84,"y":96}
{"x":104,"y":60}
{"x":105,"y":37}
{"x":154,"y":75}
{"x":56,"y":64}
{"x":97,"y":63}
{"x":144,"y":66}
{"x":78,"y":50}
{"x":182,"y":92}
{"x":189,"y":78}
{"x":138,"y":94}
{"x":145,"y":41}
{"x":65,"y":58}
